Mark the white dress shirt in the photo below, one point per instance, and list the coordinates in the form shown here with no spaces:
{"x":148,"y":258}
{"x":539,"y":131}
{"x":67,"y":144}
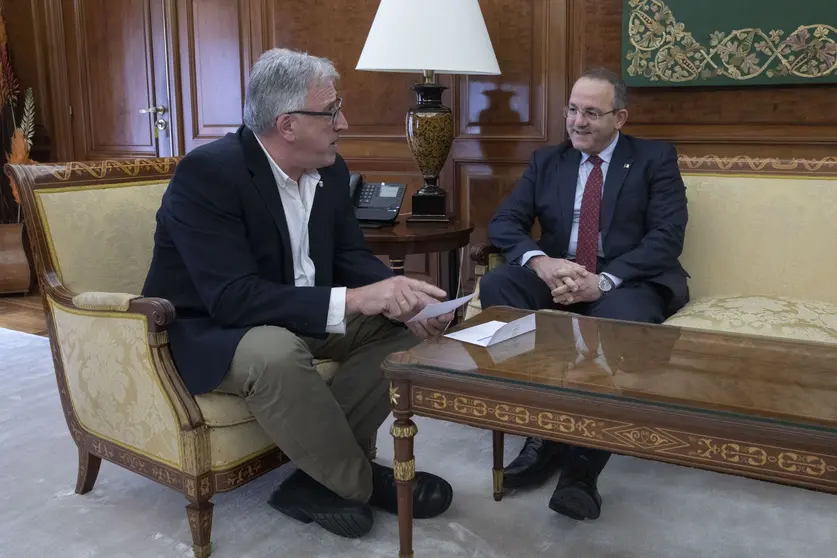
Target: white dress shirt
{"x":584,"y":168}
{"x":297,"y":200}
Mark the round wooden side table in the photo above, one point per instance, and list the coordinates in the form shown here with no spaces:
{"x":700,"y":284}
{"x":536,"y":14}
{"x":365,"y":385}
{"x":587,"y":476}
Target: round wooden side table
{"x":403,"y":239}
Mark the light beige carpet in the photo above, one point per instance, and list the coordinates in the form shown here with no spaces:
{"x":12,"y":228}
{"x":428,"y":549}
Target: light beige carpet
{"x":650,"y":509}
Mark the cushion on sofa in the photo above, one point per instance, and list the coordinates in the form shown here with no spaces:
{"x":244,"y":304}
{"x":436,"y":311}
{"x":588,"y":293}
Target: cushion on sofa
{"x":761,"y":315}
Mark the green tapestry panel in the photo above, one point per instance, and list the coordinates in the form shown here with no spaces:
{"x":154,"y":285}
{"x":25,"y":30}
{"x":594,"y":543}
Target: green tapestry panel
{"x":728,"y":42}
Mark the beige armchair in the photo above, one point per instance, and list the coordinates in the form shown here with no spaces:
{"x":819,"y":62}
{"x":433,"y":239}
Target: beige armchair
{"x":91,"y":227}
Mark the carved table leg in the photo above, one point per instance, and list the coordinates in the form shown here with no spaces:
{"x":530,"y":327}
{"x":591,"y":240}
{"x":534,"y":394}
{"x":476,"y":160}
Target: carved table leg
{"x":397,"y":266}
{"x":88,"y":470}
{"x":403,"y":431}
{"x":498,"y":465}
{"x":200,"y":522}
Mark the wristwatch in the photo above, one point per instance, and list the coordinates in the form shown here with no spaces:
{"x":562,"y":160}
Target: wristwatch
{"x":605,"y":284}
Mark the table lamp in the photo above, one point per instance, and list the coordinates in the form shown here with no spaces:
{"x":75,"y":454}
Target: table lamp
{"x":429,"y":37}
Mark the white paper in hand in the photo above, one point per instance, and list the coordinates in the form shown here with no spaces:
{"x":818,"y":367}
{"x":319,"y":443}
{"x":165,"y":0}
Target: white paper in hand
{"x":439,"y":308}
{"x":493,"y":332}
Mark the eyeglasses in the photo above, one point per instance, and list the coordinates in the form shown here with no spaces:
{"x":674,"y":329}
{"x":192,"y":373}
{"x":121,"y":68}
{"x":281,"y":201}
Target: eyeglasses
{"x":591,"y":115}
{"x":332,"y":113}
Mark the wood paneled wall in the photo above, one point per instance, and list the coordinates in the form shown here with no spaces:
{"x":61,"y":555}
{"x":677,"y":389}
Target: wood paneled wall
{"x":218,"y":44}
{"x":542,"y":47}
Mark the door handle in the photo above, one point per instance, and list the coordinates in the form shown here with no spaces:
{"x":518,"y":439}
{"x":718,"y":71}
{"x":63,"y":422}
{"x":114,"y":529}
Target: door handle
{"x":159,"y":109}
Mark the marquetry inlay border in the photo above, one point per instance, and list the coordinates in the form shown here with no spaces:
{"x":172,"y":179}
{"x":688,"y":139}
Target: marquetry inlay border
{"x":637,"y":438}
{"x":824,"y":167}
{"x":253,"y":468}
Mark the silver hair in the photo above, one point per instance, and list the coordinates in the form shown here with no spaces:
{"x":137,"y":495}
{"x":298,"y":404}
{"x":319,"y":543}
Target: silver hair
{"x":279,"y":82}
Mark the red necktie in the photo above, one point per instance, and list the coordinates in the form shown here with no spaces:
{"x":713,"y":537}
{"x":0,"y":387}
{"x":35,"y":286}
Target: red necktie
{"x":587,"y":249}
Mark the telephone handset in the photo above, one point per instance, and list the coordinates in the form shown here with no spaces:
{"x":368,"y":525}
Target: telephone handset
{"x":375,"y":203}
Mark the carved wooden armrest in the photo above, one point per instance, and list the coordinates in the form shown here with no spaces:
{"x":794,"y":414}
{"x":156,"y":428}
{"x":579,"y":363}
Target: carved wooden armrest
{"x":481,"y":251}
{"x":158,"y":311}
{"x":106,"y":302}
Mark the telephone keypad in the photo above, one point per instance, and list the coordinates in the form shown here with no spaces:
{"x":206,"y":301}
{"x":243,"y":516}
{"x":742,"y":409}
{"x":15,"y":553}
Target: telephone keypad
{"x":367,"y":193}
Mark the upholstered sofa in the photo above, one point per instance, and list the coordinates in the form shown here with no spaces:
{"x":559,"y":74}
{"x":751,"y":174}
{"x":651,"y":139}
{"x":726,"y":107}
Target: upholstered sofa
{"x":91,"y":227}
{"x":758,"y":247}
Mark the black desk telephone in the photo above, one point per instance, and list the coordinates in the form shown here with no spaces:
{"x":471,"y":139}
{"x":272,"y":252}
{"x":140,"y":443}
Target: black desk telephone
{"x":376,"y":203}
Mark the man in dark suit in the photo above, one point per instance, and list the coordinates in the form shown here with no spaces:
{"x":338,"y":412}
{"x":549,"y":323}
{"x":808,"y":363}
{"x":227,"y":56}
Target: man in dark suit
{"x":258,"y":248}
{"x":612,"y":211}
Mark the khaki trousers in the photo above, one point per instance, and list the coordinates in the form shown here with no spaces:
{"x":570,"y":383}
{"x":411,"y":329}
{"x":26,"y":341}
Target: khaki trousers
{"x":316,"y":425}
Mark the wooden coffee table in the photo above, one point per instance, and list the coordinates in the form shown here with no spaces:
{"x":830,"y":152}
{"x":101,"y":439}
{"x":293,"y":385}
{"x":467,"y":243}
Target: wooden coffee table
{"x":751,"y":406}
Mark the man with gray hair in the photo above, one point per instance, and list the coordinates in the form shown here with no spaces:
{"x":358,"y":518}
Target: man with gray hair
{"x":258,"y":248}
{"x":612,"y":212}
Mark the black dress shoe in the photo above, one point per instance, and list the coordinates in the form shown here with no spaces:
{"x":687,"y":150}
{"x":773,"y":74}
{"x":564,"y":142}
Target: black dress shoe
{"x":577,"y":499}
{"x":577,"y":495}
{"x":538,"y":460}
{"x":432,"y":495}
{"x":306,"y":500}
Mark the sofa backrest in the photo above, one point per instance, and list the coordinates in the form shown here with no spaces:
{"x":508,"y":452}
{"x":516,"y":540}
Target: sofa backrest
{"x":94,"y":222}
{"x":761,"y":227}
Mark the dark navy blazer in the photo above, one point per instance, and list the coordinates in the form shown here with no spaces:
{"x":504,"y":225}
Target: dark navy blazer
{"x":642,"y":219}
{"x":222,"y":255}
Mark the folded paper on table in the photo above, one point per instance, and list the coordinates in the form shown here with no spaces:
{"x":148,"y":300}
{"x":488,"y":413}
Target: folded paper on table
{"x":439,"y":308}
{"x":493,"y":332}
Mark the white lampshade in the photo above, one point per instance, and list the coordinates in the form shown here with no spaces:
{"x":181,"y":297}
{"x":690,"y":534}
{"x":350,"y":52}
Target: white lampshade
{"x":445,"y":36}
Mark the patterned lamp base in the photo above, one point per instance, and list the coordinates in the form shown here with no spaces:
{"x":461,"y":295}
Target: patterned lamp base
{"x":430,"y":135}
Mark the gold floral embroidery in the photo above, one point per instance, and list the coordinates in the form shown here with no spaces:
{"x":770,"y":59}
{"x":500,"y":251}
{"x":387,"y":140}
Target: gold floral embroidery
{"x":780,"y":317}
{"x":662,"y":49}
{"x":112,"y":385}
